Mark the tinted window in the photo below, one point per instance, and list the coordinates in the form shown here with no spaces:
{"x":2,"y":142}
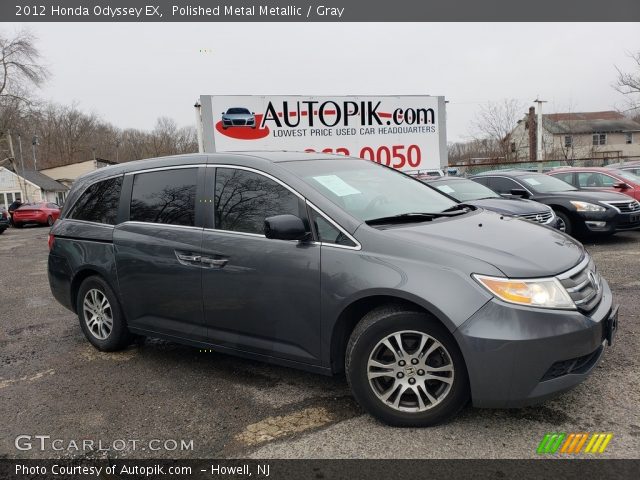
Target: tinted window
{"x":244,"y":199}
{"x":482,"y":181}
{"x":503,"y":185}
{"x":99,"y":203}
{"x":327,"y":233}
{"x":167,"y":196}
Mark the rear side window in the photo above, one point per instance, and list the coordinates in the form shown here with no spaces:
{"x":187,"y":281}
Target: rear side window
{"x":244,"y":199}
{"x":565,"y":177}
{"x":503,"y":185}
{"x":99,"y":202}
{"x":167,"y":196}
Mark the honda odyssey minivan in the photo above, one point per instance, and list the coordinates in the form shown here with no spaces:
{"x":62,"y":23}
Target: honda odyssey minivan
{"x":332,"y":264}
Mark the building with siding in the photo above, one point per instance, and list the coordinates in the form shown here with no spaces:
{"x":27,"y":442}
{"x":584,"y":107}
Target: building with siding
{"x":579,"y":135}
{"x":30,"y":186}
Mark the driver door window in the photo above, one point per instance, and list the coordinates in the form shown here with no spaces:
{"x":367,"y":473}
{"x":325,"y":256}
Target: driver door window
{"x":243,"y":199}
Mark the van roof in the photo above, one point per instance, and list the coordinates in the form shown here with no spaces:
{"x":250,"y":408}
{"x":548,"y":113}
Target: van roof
{"x":250,"y":158}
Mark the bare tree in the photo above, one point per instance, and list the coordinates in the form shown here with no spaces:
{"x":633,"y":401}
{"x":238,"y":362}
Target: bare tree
{"x":628,"y":84}
{"x":20,"y":66}
{"x":495,"y":121}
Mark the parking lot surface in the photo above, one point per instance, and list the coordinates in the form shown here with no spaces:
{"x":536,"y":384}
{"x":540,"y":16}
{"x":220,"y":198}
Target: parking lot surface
{"x":161,"y":399}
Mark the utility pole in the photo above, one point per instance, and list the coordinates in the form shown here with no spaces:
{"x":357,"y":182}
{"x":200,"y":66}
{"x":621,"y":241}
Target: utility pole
{"x":34,"y":142}
{"x":24,"y":183}
{"x":539,"y":132}
{"x":199,"y":127}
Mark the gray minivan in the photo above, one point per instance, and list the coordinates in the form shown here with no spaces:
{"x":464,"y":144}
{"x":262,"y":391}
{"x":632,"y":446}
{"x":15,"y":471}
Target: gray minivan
{"x":332,"y":264}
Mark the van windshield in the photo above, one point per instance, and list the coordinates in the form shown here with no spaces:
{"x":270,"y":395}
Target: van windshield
{"x":369,"y":191}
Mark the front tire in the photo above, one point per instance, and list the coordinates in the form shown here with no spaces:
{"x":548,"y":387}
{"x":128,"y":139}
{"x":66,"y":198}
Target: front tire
{"x":17,"y":224}
{"x":565,"y":223}
{"x":101,"y":317}
{"x":405,"y":368}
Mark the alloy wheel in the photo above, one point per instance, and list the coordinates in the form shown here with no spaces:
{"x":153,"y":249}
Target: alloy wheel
{"x":410,"y":371}
{"x":97,"y":314}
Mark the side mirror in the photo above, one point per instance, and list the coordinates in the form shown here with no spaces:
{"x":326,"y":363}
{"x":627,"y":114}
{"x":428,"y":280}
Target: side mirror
{"x":518,"y":192}
{"x":285,"y":227}
{"x":621,"y":185}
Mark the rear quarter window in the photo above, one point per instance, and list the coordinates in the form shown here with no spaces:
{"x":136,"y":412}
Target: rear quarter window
{"x":99,"y":203}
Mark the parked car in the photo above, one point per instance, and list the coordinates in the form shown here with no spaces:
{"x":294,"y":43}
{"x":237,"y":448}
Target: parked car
{"x":332,"y":264}
{"x":43,"y":213}
{"x":469,"y":192}
{"x":4,"y":220}
{"x":633,"y":167}
{"x":594,"y":179}
{"x":580,"y":213}
{"x":238,"y":117}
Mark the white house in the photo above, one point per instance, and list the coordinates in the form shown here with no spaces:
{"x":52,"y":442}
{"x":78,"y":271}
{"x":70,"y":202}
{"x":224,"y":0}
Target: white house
{"x":580,"y":135}
{"x":31,"y":186}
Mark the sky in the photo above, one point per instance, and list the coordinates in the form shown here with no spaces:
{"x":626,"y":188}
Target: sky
{"x":130,"y":74}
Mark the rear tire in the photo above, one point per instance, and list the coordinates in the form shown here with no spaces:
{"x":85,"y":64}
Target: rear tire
{"x":17,"y":224}
{"x":403,"y":388}
{"x":50,"y":221}
{"x":101,"y":317}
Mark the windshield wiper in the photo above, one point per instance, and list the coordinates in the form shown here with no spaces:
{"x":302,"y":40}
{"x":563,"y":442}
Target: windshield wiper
{"x":458,"y":209}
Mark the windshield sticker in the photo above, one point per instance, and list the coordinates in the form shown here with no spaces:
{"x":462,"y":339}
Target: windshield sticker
{"x":445,"y":189}
{"x":336,"y":185}
{"x":532,"y":181}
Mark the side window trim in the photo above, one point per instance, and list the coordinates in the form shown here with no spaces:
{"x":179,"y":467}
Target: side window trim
{"x":297,"y":194}
{"x":357,"y":244}
{"x":68,"y":215}
{"x":127,"y":191}
{"x":211,"y":182}
{"x":73,"y":206}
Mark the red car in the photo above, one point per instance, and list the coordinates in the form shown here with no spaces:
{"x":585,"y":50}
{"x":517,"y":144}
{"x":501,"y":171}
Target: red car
{"x":44,"y":213}
{"x":596,"y":178}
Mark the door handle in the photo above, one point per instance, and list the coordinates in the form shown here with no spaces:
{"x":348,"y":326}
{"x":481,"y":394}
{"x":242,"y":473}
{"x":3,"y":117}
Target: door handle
{"x":215,"y":262}
{"x":188,"y":258}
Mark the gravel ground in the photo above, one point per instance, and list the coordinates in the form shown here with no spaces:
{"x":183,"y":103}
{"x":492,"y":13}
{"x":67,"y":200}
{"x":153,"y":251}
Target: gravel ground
{"x":52,"y":382}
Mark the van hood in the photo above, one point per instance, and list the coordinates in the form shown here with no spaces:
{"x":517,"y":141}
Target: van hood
{"x":518,"y":248}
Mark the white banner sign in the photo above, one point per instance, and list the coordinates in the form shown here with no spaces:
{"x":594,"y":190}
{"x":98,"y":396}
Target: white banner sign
{"x":405,"y":132}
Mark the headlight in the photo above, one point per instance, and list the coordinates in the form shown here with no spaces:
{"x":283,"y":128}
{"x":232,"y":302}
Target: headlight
{"x":587,"y":207}
{"x":543,"y":293}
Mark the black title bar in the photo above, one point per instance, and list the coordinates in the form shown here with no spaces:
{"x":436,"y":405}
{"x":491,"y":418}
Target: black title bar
{"x":321,"y":11}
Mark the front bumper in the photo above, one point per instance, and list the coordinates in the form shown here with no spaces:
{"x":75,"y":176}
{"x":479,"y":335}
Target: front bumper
{"x":610,"y":221}
{"x":511,"y":351}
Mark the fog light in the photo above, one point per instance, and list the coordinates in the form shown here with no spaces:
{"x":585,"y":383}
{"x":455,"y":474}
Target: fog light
{"x":596,"y":224}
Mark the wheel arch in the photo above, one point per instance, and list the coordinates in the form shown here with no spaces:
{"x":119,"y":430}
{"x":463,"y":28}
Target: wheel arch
{"x":80,"y":276}
{"x":352,"y":313}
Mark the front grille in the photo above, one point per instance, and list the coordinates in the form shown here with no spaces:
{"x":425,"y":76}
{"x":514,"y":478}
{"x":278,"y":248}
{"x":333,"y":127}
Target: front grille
{"x":574,"y":365}
{"x":538,"y":217}
{"x":239,"y":122}
{"x":584,"y":285}
{"x":626,"y":206}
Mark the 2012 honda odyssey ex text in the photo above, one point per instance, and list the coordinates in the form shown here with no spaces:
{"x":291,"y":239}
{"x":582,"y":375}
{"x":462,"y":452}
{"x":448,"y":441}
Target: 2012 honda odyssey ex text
{"x":332,"y":264}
